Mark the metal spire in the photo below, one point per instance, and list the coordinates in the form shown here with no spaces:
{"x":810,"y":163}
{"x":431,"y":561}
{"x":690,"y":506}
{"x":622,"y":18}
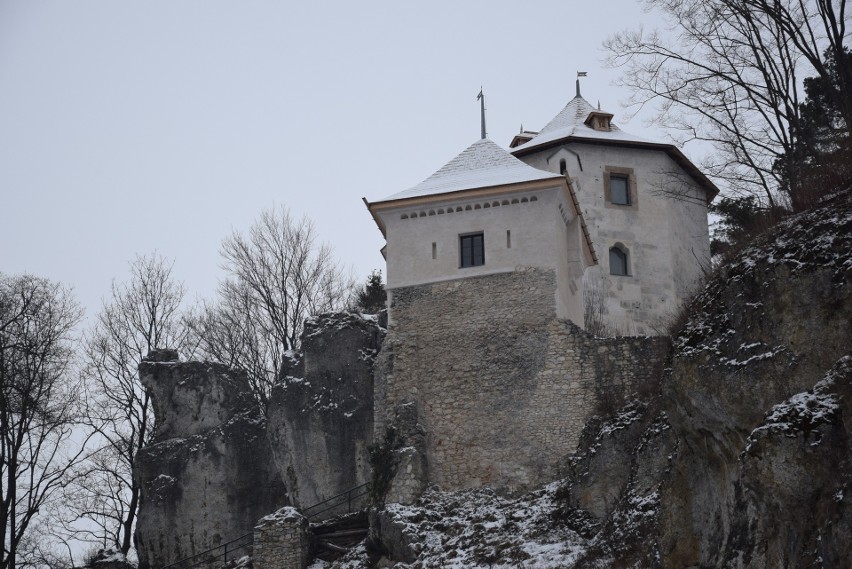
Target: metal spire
{"x":481,"y":99}
{"x":580,"y":74}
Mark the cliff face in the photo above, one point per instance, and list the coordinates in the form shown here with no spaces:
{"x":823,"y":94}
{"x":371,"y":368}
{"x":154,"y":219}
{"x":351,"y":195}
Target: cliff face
{"x":745,"y":459}
{"x":208,"y":476}
{"x":217,"y":464}
{"x":321,"y":408}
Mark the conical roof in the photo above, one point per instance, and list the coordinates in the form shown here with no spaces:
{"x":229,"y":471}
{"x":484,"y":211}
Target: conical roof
{"x":483,"y":164}
{"x":571,"y":123}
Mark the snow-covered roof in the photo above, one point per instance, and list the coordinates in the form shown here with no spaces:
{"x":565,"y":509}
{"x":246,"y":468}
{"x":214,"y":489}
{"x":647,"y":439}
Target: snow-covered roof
{"x":482,"y":165}
{"x":570,"y":122}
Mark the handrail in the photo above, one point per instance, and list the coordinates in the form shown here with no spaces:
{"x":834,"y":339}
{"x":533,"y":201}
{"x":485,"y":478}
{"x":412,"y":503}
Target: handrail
{"x":350,"y":494}
{"x":355,"y":492}
{"x":209,"y":559}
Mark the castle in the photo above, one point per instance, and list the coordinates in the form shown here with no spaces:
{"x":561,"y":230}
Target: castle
{"x":526,"y":288}
{"x":620,"y":219}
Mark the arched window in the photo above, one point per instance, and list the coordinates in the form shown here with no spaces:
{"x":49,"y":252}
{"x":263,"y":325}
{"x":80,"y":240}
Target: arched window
{"x":619,"y":261}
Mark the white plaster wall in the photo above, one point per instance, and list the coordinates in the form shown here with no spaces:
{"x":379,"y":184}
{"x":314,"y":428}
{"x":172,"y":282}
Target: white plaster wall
{"x":667,"y":238}
{"x":690,"y":240}
{"x":539,"y":238}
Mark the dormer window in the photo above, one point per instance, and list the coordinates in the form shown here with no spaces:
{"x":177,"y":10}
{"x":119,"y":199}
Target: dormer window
{"x":599,"y":120}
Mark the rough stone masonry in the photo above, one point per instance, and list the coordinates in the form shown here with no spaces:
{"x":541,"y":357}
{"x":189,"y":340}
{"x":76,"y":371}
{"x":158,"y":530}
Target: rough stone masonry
{"x":500,"y":386}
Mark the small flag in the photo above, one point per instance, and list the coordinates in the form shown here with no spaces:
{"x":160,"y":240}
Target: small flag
{"x":581,"y":73}
{"x":480,"y":95}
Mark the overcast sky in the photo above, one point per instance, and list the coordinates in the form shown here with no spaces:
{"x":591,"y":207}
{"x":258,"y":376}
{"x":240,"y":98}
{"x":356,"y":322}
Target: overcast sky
{"x":133,"y":127}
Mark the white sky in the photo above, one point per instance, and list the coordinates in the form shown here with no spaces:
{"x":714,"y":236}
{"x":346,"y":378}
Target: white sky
{"x":129,"y":127}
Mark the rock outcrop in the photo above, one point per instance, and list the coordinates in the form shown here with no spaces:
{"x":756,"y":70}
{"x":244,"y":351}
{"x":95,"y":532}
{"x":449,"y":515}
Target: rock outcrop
{"x":321,"y":408}
{"x":744,"y":459}
{"x":208,"y":476}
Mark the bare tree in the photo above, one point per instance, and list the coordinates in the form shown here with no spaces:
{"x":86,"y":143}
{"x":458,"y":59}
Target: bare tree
{"x":141,"y":315}
{"x":38,"y":404}
{"x":279,"y":275}
{"x":729,"y":72}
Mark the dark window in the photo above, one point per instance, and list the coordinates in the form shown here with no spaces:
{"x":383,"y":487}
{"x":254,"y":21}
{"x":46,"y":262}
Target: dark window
{"x":618,"y":262}
{"x":562,"y":166}
{"x":472,"y":250}
{"x":619,"y":190}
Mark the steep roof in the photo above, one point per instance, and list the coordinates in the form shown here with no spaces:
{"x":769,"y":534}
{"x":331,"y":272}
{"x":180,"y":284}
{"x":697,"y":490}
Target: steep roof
{"x":483,"y":164}
{"x":570,"y":123}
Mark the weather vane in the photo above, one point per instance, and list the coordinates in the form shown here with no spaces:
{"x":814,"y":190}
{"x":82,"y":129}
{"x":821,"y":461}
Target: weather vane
{"x":580,"y":74}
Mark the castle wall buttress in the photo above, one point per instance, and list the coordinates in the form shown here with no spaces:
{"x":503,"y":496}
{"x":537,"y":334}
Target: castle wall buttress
{"x":500,"y":387}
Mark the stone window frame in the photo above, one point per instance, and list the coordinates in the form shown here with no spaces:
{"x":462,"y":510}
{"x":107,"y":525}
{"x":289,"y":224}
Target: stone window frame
{"x":471,"y":235}
{"x":632,"y":192}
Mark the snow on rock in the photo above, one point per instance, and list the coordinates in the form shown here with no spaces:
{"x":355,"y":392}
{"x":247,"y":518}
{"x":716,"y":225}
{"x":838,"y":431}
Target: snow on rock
{"x":762,"y":440}
{"x":817,"y":240}
{"x":804,"y":412}
{"x":475,"y":528}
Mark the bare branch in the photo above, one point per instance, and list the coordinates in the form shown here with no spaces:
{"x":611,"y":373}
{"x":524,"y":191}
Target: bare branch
{"x":279,"y":276}
{"x":729,"y":72}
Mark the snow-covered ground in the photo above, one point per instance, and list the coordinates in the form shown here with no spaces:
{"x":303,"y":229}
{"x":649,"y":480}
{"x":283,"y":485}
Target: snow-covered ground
{"x":477,"y":528}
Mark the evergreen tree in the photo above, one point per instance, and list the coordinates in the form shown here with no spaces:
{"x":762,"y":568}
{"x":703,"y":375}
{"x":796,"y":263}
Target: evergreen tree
{"x":822,"y":157}
{"x":372,"y":298}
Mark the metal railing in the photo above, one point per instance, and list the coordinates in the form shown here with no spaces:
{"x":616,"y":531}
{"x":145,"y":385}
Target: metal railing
{"x":348,"y":498}
{"x":215,"y":554}
{"x":244,"y":542}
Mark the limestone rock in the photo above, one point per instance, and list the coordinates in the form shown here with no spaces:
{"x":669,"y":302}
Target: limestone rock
{"x":599,"y":474}
{"x":192,"y":397}
{"x":321,"y":408}
{"x":745,"y":459}
{"x":208,"y":476}
{"x":791,"y":504}
{"x":768,"y":327}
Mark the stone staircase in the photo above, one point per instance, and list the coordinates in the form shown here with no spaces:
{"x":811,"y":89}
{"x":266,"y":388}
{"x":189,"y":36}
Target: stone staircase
{"x":334,"y":537}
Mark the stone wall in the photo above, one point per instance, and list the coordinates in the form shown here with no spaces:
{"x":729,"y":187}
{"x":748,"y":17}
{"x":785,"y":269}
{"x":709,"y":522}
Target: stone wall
{"x":281,"y":541}
{"x":501,"y":387}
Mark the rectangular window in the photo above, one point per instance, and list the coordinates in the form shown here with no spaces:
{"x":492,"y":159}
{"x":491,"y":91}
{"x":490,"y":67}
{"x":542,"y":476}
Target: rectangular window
{"x":508,"y":239}
{"x":472,"y":250}
{"x":619,"y":190}
{"x":434,"y":250}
